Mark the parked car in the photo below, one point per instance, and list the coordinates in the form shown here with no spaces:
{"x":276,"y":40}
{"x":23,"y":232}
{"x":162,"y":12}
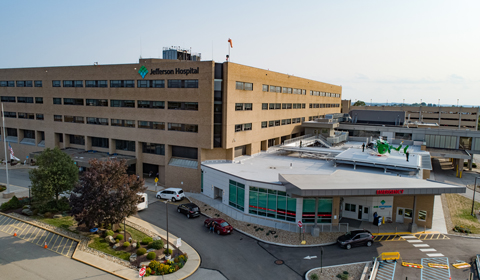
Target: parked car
{"x":221,"y":226}
{"x":355,"y":238}
{"x":172,"y":194}
{"x":189,"y":209}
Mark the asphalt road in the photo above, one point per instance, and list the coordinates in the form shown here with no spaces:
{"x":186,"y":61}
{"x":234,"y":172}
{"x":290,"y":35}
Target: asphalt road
{"x":20,"y":259}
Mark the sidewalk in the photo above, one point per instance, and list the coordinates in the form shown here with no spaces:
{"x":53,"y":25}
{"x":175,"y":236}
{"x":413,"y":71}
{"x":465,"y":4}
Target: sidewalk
{"x":121,"y":271}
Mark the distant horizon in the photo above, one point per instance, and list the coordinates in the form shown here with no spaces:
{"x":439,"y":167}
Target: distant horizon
{"x":406,"y":104}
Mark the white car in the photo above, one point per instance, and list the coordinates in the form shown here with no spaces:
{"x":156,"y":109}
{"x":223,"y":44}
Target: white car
{"x":172,"y":194}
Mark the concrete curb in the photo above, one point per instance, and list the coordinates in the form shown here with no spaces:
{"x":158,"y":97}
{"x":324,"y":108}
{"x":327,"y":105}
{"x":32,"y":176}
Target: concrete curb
{"x":97,"y":267}
{"x":306,"y":274}
{"x":464,"y":236}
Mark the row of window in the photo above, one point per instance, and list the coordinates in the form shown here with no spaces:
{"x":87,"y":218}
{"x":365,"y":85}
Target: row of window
{"x":242,"y":127}
{"x":30,"y":116}
{"x":127,"y":123}
{"x":243,"y":106}
{"x":282,"y":122}
{"x":278,"y":89}
{"x":323,"y":105}
{"x":20,"y":83}
{"x":172,"y":105}
{"x":127,"y":83}
{"x":124,"y":145}
{"x":21,"y":99}
{"x":278,"y":106}
{"x":322,"y":93}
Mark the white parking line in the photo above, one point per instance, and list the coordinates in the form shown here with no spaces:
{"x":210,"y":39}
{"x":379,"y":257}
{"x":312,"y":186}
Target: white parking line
{"x":428,"y":250}
{"x":435,"y":255}
{"x":421,"y":245}
{"x":415,"y":241}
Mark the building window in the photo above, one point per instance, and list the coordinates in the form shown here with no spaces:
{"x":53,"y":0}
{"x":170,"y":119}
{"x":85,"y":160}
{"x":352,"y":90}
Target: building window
{"x":10,"y":114}
{"x":236,"y":195}
{"x":99,"y":121}
{"x":151,"y":125}
{"x":56,"y":84}
{"x":40,"y":117}
{"x":24,"y":83}
{"x":183,"y":127}
{"x":97,"y":102}
{"x":39,"y":100}
{"x":8,"y":99}
{"x":77,"y":139}
{"x":122,"y":103}
{"x":324,"y":210}
{"x":30,"y":116}
{"x":122,"y":83}
{"x":12,"y":132}
{"x":183,"y":83}
{"x":124,"y":123}
{"x":248,"y":106}
{"x":265,"y":88}
{"x":247,"y":126}
{"x":57,"y":101}
{"x":272,"y":203}
{"x":264,"y":124}
{"x":30,"y":134}
{"x":408,"y":213}
{"x":244,"y":86}
{"x":100,"y":142}
{"x":125,"y":145}
{"x":73,"y":119}
{"x":271,"y":106}
{"x":57,"y":118}
{"x":238,"y":127}
{"x":422,"y":215}
{"x":24,"y":99}
{"x":350,"y":207}
{"x":150,"y":83}
{"x":7,"y":84}
{"x":71,"y":83}
{"x":152,"y":148}
{"x":151,"y":104}
{"x":96,"y":83}
{"x":190,"y":106}
{"x":73,"y":101}
{"x":264,"y":106}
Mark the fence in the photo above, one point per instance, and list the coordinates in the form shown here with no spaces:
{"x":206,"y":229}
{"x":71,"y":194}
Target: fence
{"x":286,"y":142}
{"x":338,"y":138}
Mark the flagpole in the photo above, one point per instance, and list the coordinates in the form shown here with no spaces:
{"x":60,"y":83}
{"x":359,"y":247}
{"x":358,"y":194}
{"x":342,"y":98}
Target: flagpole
{"x":7,"y":191}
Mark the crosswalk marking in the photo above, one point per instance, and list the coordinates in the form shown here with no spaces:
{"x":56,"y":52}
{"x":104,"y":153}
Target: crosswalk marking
{"x":421,"y":245}
{"x":414,"y":241}
{"x":435,"y":255}
{"x":428,"y":250}
{"x":408,"y":236}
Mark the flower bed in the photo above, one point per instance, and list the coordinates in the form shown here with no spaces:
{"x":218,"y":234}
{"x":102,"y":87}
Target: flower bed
{"x":167,"y":266}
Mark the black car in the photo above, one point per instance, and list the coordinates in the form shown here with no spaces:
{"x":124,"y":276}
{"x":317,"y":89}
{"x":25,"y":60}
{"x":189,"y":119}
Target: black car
{"x":189,"y":209}
{"x":355,"y":238}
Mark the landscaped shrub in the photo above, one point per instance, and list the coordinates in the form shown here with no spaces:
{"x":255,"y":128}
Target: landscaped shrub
{"x":157,"y":244}
{"x":169,"y":252}
{"x":141,"y":251}
{"x":138,"y":245}
{"x":313,"y":276}
{"x":182,"y":258}
{"x":109,"y":233}
{"x":148,"y":271}
{"x":116,"y":240}
{"x":126,"y":244}
{"x":153,"y":264}
{"x":474,"y":165}
{"x":462,"y":229}
{"x":120,"y":236}
{"x":13,"y":203}
{"x":48,"y":215}
{"x":166,"y":268}
{"x":147,"y":240}
{"x":151,"y":256}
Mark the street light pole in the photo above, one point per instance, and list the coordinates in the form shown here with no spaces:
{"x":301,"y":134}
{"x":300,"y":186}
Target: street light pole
{"x":474,"y":191}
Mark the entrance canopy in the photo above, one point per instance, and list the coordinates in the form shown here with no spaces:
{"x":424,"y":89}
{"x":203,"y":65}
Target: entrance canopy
{"x":448,"y":153}
{"x":81,"y":157}
{"x":352,"y":183}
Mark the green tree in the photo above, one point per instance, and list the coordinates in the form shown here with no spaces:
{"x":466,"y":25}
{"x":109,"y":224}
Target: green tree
{"x":105,"y":194}
{"x":56,"y":174}
{"x":359,"y":103}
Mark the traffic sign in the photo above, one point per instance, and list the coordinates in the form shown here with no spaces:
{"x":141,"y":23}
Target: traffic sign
{"x":142,"y":271}
{"x":156,"y":179}
{"x":300,"y":224}
{"x":179,"y":242}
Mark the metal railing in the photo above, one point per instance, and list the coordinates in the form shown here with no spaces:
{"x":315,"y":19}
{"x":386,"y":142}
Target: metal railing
{"x":477,"y":262}
{"x":338,"y":138}
{"x":373,"y":273}
{"x":286,"y":142}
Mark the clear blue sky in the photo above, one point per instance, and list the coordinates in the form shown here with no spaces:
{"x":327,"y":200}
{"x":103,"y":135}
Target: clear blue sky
{"x":379,"y":50}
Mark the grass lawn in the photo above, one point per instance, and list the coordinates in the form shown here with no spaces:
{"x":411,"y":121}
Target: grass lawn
{"x":460,"y":209}
{"x":100,"y":244}
{"x":136,"y":235}
{"x":64,"y":222}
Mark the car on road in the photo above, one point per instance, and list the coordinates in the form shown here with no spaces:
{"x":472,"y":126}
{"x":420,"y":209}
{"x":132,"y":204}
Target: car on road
{"x":221,"y":226}
{"x":189,"y":209}
{"x":172,"y":194}
{"x":355,"y":238}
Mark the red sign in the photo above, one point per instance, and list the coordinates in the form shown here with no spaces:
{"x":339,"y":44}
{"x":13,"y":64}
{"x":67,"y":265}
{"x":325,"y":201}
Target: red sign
{"x":142,"y":271}
{"x":299,"y":223}
{"x":389,"y":191}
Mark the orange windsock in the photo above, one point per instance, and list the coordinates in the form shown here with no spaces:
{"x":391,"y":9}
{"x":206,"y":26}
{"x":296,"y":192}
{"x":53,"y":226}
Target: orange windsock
{"x":230,"y":41}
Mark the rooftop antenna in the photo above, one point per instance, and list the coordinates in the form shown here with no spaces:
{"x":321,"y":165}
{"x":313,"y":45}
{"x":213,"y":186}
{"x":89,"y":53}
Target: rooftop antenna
{"x":140,"y":46}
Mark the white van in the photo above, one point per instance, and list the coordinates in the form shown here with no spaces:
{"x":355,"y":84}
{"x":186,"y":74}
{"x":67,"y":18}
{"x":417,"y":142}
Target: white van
{"x":143,"y":202}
